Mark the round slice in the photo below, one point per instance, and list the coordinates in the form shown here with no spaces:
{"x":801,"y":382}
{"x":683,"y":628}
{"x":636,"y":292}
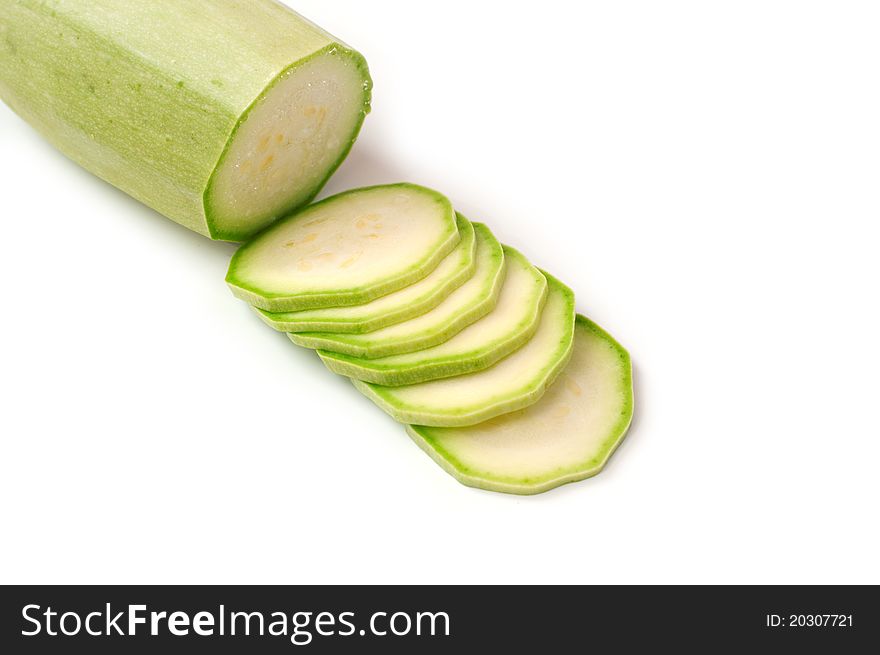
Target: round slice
{"x":346,"y":250}
{"x":455,"y":269}
{"x":566,"y":437}
{"x":470,"y":302}
{"x":517,"y":381}
{"x":481,"y":344}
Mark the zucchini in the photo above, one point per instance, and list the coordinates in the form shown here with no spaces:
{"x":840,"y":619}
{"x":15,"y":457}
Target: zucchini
{"x":566,"y":437}
{"x":517,"y":381}
{"x":455,"y":269}
{"x":481,"y":344}
{"x":220,"y":115}
{"x":471,"y":301}
{"x":346,"y":250}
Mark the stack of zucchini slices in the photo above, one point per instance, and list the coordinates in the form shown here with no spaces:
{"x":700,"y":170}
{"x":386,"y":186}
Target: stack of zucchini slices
{"x":460,"y":337}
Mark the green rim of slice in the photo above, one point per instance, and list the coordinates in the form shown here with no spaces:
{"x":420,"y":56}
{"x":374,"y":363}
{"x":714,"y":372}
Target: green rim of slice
{"x":422,"y":296}
{"x":468,"y":303}
{"x":507,"y":327}
{"x":517,"y":381}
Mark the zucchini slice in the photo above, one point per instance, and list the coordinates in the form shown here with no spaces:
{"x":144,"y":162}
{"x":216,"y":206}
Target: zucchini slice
{"x":346,"y":250}
{"x":220,"y":115}
{"x":567,"y":436}
{"x":470,"y":302}
{"x":455,"y":269}
{"x":517,"y":381}
{"x":481,"y":344}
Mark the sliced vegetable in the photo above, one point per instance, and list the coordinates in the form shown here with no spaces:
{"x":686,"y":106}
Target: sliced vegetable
{"x":566,"y":437}
{"x":471,"y":301}
{"x":507,"y":327}
{"x":515,"y":382}
{"x":455,"y":269}
{"x":346,"y":250}
{"x":220,"y":115}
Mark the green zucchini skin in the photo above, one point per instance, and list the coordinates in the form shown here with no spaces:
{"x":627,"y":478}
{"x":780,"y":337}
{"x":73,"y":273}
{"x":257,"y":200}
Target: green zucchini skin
{"x":148,"y":95}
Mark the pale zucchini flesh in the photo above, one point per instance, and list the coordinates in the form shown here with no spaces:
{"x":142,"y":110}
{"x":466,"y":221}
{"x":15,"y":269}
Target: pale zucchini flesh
{"x":219,"y":115}
{"x":508,"y":326}
{"x":568,"y":435}
{"x":455,"y":269}
{"x":346,"y":250}
{"x":288,"y":144}
{"x":468,"y":303}
{"x":515,"y":382}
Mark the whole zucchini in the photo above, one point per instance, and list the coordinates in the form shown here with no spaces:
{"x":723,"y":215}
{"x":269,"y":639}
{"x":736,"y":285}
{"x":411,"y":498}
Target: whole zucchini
{"x":220,"y":114}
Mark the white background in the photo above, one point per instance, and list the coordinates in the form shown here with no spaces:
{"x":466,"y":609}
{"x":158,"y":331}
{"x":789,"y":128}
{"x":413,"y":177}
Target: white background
{"x":706,"y":176}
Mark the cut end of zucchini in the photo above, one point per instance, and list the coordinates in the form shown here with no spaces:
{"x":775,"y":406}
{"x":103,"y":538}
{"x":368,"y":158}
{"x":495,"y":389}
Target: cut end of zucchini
{"x":566,"y":437}
{"x":288,"y":143}
{"x":346,"y":250}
